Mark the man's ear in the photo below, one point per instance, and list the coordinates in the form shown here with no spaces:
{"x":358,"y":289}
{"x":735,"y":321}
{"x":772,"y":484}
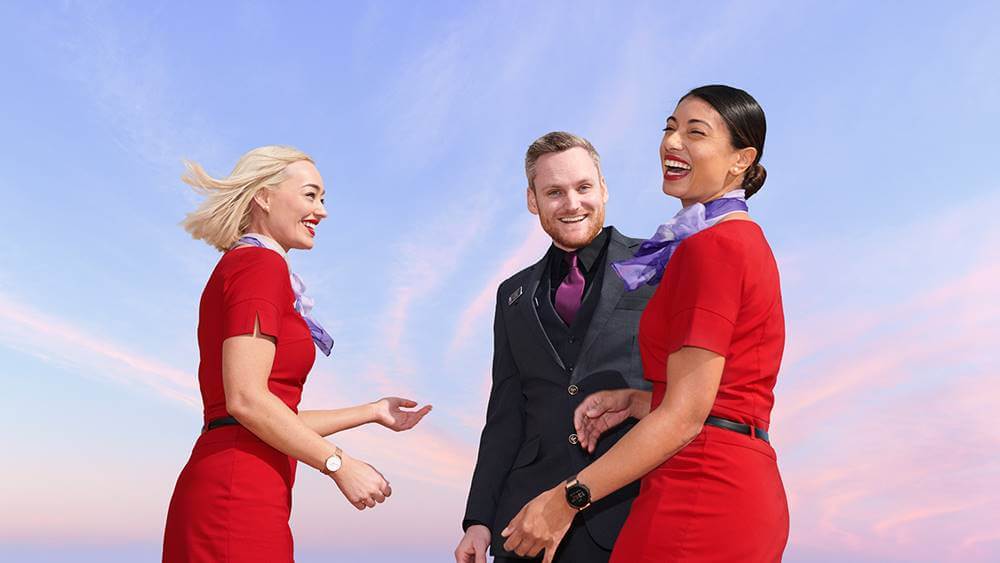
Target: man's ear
{"x":532,"y":201}
{"x":604,"y":187}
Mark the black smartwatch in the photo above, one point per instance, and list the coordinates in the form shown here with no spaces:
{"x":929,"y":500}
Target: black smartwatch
{"x":577,"y":494}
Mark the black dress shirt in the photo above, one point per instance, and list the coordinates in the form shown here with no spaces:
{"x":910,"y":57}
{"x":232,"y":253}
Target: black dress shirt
{"x":587,"y":258}
{"x":591,"y":259}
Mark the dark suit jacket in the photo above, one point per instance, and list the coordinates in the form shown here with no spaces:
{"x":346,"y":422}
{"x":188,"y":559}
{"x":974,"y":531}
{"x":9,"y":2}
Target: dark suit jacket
{"x":526,"y":444}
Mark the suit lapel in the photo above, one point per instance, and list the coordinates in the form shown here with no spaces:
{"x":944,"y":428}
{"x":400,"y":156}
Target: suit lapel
{"x":529,"y":312}
{"x":611,"y":292}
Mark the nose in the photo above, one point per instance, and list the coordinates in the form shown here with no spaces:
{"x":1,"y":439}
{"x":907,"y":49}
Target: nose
{"x":573,"y":200}
{"x":671,"y":141}
{"x":320,"y":212}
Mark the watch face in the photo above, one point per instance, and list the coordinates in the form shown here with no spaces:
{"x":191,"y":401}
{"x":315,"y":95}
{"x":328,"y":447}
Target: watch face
{"x":578,"y":496}
{"x":333,"y":463}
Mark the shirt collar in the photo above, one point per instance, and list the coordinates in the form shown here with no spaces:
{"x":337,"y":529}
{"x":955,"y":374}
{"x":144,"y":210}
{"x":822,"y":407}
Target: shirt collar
{"x":589,"y":254}
{"x":270,"y":243}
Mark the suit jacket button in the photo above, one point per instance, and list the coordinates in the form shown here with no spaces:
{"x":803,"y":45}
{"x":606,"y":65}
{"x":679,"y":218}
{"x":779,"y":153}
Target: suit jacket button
{"x":573,"y":439}
{"x":573,"y":389}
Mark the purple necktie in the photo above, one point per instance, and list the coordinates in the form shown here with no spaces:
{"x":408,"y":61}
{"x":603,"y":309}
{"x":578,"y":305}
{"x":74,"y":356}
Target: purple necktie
{"x":570,"y":291}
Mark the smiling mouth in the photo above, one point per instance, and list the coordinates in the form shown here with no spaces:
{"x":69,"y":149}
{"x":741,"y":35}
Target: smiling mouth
{"x":674,"y":169}
{"x":572,"y":220}
{"x":311,"y":227}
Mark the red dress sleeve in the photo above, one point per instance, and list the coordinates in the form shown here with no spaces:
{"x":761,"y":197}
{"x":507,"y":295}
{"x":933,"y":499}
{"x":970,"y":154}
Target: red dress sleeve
{"x":258,"y":289}
{"x":705,"y":287}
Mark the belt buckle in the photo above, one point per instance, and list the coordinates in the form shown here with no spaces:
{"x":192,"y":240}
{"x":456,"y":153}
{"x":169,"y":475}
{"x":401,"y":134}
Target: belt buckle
{"x":761,"y":435}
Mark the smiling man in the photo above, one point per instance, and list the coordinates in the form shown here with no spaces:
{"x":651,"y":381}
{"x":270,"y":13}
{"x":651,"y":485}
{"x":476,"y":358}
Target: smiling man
{"x":563,"y":329}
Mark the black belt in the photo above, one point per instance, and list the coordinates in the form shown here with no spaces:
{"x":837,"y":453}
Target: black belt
{"x":737,"y":427}
{"x":219,"y":422}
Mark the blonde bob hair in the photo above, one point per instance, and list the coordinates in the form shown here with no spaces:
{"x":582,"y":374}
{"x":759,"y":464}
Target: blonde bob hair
{"x":225,"y":213}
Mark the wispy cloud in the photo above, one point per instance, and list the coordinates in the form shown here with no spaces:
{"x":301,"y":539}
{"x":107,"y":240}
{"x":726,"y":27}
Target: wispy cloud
{"x":883,"y":422}
{"x":424,"y":263}
{"x":473,"y":316}
{"x":126,"y":72}
{"x":56,"y":340}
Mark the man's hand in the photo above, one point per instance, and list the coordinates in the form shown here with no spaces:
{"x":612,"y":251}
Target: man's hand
{"x":472,"y":548}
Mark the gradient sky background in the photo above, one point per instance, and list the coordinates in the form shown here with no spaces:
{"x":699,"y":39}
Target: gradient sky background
{"x":879,"y":205}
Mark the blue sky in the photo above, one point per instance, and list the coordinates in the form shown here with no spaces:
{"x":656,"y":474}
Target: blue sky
{"x":882,"y":131}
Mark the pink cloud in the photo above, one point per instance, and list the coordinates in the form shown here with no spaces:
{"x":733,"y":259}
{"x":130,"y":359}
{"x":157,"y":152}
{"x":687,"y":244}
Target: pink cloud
{"x":423,"y":264}
{"x":56,"y":340}
{"x":886,"y":440}
{"x":906,"y":517}
{"x":472,"y":317}
{"x":430,"y":453}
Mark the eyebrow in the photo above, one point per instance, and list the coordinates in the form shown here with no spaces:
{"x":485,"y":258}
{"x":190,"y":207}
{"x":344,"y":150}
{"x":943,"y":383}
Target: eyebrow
{"x":321,"y":190}
{"x":570,"y":186}
{"x":690,"y":121}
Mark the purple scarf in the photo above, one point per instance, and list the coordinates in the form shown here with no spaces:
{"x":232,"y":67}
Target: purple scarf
{"x":303,"y":303}
{"x":651,"y":259}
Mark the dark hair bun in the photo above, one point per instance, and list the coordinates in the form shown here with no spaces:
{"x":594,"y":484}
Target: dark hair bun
{"x":753,"y":181}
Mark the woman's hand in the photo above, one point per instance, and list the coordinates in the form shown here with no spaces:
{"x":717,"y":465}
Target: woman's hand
{"x":541,"y":524}
{"x":361,"y":484}
{"x":389,"y":413}
{"x":604,"y":410}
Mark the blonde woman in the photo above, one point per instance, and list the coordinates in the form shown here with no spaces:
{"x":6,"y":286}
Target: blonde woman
{"x":232,"y":500}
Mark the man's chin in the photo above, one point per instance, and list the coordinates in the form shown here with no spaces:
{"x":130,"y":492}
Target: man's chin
{"x":574,"y":240}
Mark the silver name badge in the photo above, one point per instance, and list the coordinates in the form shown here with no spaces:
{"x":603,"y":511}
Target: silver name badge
{"x":514,"y":296}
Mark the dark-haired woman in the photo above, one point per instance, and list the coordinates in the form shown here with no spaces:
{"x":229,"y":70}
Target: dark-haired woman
{"x":711,"y":340}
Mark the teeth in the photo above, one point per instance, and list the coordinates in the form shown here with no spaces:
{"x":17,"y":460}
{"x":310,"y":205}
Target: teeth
{"x":576,"y":219}
{"x":676,"y":164}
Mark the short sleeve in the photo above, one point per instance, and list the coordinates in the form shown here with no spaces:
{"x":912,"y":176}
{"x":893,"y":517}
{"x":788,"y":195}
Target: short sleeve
{"x":258,"y":289}
{"x":705,"y":285}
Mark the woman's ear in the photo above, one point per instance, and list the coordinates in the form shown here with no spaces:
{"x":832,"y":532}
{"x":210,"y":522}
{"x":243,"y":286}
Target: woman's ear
{"x":746,"y":157}
{"x":263,"y":199}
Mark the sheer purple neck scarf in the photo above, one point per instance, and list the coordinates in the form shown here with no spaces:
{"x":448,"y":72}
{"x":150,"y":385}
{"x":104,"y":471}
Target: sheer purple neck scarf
{"x":651,"y":259}
{"x":303,"y":303}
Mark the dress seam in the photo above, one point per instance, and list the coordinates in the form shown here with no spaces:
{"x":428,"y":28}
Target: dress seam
{"x":701,"y":308}
{"x":681,"y":546}
{"x":229,"y":498}
{"x":248,"y":299}
{"x":756,"y":355}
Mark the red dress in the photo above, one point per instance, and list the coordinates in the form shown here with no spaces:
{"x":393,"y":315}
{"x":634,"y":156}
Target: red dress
{"x":233,"y":498}
{"x":720,"y":498}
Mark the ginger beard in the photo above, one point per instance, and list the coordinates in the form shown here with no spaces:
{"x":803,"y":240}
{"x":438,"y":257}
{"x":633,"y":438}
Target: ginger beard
{"x":569,"y":231}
